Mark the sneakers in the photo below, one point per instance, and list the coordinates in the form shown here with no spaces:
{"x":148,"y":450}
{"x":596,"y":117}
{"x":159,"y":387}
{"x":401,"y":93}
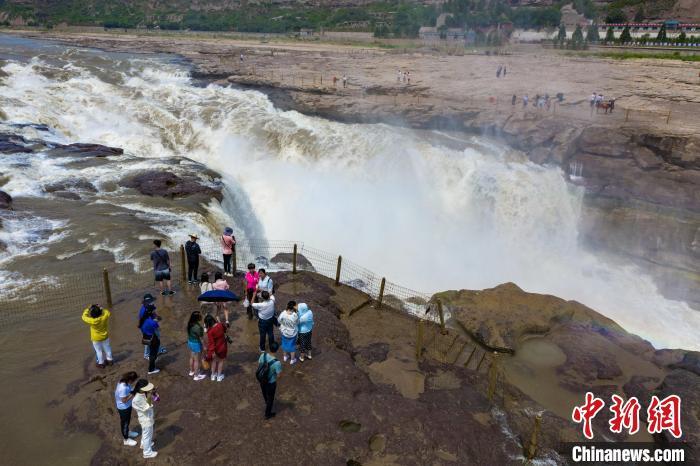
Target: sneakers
{"x":270,"y":416}
{"x":133,"y":434}
{"x":100,"y":365}
{"x":162,"y":350}
{"x":151,"y":454}
{"x":301,"y":358}
{"x":171,"y":292}
{"x":191,"y":374}
{"x":164,"y":293}
{"x":154,"y":371}
{"x":199,"y":377}
{"x":308,"y":356}
{"x":220,"y":378}
{"x":293,"y":361}
{"x":286,"y":358}
{"x":109,"y":362}
{"x":130,"y":442}
{"x":213,"y":377}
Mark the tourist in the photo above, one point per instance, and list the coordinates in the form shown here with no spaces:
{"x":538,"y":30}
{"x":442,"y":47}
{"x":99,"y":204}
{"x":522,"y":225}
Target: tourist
{"x":408,"y":78}
{"x":221,"y":284}
{"x":591,"y":101}
{"x":598,"y":101}
{"x":217,"y":347}
{"x":289,"y":328}
{"x":504,"y":71}
{"x":306,"y":325}
{"x":98,"y":320}
{"x":514,"y":100}
{"x":204,"y":286}
{"x":268,"y":378}
{"x":345,"y":81}
{"x":251,"y":283}
{"x":498,"y":72}
{"x":148,"y":299}
{"x":228,"y":243}
{"x":161,"y":268}
{"x":398,"y":76}
{"x":123,"y":396}
{"x":264,"y":284}
{"x":150,"y":331}
{"x":144,"y":397}
{"x":525,"y":100}
{"x":193,"y":251}
{"x":266,"y":318}
{"x":195,"y":333}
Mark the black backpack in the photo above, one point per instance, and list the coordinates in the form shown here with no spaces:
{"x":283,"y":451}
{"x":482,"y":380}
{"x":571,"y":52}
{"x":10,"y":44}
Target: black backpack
{"x":263,"y":372}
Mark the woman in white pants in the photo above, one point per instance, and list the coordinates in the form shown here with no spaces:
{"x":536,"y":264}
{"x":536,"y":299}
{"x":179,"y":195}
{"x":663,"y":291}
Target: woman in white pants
{"x":143,"y":404}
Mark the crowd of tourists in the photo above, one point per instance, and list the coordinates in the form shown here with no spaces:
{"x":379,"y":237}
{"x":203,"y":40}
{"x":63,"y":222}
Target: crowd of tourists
{"x":207,"y":336}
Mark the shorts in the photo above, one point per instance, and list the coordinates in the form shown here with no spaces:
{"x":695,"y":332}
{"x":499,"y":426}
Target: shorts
{"x":162,"y":275}
{"x":195,"y":346}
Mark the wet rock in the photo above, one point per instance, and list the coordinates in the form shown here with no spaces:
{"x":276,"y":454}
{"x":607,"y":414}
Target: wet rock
{"x":70,"y":195}
{"x":288,"y":257}
{"x":84,"y":150}
{"x":11,"y":144}
{"x":349,"y":426}
{"x":77,"y":184}
{"x":690,"y":362}
{"x":5,"y":201}
{"x":376,"y":352}
{"x":166,"y":184}
{"x":3,"y":245}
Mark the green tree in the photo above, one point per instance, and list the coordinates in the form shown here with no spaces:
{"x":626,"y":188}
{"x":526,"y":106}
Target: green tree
{"x":577,"y":37}
{"x":640,"y":15}
{"x":661,"y":37}
{"x":561,"y":37}
{"x":682,"y":38}
{"x":625,"y":37}
{"x":592,"y":34}
{"x":609,"y":35}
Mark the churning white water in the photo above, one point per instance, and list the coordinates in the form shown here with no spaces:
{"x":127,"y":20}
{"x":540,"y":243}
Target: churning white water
{"x":428,"y":217}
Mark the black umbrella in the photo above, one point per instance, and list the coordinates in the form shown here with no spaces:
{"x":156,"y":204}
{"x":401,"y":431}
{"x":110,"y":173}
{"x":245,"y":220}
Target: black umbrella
{"x":218,"y":296}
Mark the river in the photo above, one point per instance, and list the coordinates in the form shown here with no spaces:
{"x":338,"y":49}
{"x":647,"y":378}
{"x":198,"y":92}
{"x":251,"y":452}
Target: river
{"x":428,"y":210}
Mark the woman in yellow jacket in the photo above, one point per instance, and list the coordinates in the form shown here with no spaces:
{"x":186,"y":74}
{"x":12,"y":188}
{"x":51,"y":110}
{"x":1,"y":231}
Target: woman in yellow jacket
{"x":98,"y":320}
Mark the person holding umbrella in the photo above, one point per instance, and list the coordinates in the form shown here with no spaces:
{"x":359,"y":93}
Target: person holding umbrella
{"x":221,"y":285}
{"x":193,"y":251}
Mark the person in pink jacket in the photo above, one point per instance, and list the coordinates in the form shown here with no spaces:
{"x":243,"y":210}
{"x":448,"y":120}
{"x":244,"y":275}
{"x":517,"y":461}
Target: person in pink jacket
{"x":228,"y":243}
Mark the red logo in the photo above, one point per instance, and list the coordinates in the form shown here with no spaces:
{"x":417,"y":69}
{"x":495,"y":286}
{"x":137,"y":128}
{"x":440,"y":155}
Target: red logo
{"x":587,"y":412}
{"x":665,"y":415}
{"x":661,"y":415}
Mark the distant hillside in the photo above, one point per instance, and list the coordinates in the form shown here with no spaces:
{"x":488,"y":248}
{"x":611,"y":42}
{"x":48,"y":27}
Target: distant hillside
{"x":395,"y":17}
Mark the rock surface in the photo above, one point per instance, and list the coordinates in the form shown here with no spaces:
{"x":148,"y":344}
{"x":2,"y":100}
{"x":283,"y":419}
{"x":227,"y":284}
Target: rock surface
{"x":5,"y":201}
{"x":166,"y":184}
{"x":85,"y":150}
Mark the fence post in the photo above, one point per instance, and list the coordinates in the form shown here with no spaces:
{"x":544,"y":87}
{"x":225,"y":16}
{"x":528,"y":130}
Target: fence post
{"x":532,"y":450}
{"x":627,"y":115}
{"x":442,"y":317}
{"x":337,"y":271}
{"x":183,"y":273}
{"x":294,"y":259}
{"x":381,"y":293}
{"x":419,"y":340}
{"x":668,"y":118}
{"x":108,"y":289}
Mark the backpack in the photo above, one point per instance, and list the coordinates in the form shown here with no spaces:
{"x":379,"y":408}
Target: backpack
{"x":263,"y":372}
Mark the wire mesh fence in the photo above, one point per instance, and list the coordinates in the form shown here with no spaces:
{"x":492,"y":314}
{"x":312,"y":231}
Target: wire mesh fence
{"x":77,"y":290}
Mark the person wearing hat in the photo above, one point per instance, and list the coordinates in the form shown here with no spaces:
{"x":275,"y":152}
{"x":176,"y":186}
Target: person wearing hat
{"x":143,"y":405}
{"x":149,"y":300}
{"x":193,"y":251}
{"x":98,"y":320}
{"x":228,"y":243}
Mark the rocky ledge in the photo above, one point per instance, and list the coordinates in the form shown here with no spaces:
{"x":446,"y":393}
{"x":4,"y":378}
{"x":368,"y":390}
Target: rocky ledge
{"x":166,"y":184}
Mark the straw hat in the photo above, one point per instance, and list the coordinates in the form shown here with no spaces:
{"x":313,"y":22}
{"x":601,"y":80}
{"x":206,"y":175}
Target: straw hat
{"x":194,"y":235}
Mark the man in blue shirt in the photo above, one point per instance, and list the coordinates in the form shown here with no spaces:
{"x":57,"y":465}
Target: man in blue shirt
{"x":269,"y":387}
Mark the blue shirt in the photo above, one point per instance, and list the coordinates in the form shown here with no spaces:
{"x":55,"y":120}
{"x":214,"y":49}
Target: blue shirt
{"x":122,"y":391}
{"x":149,"y":327}
{"x":274,"y":365}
